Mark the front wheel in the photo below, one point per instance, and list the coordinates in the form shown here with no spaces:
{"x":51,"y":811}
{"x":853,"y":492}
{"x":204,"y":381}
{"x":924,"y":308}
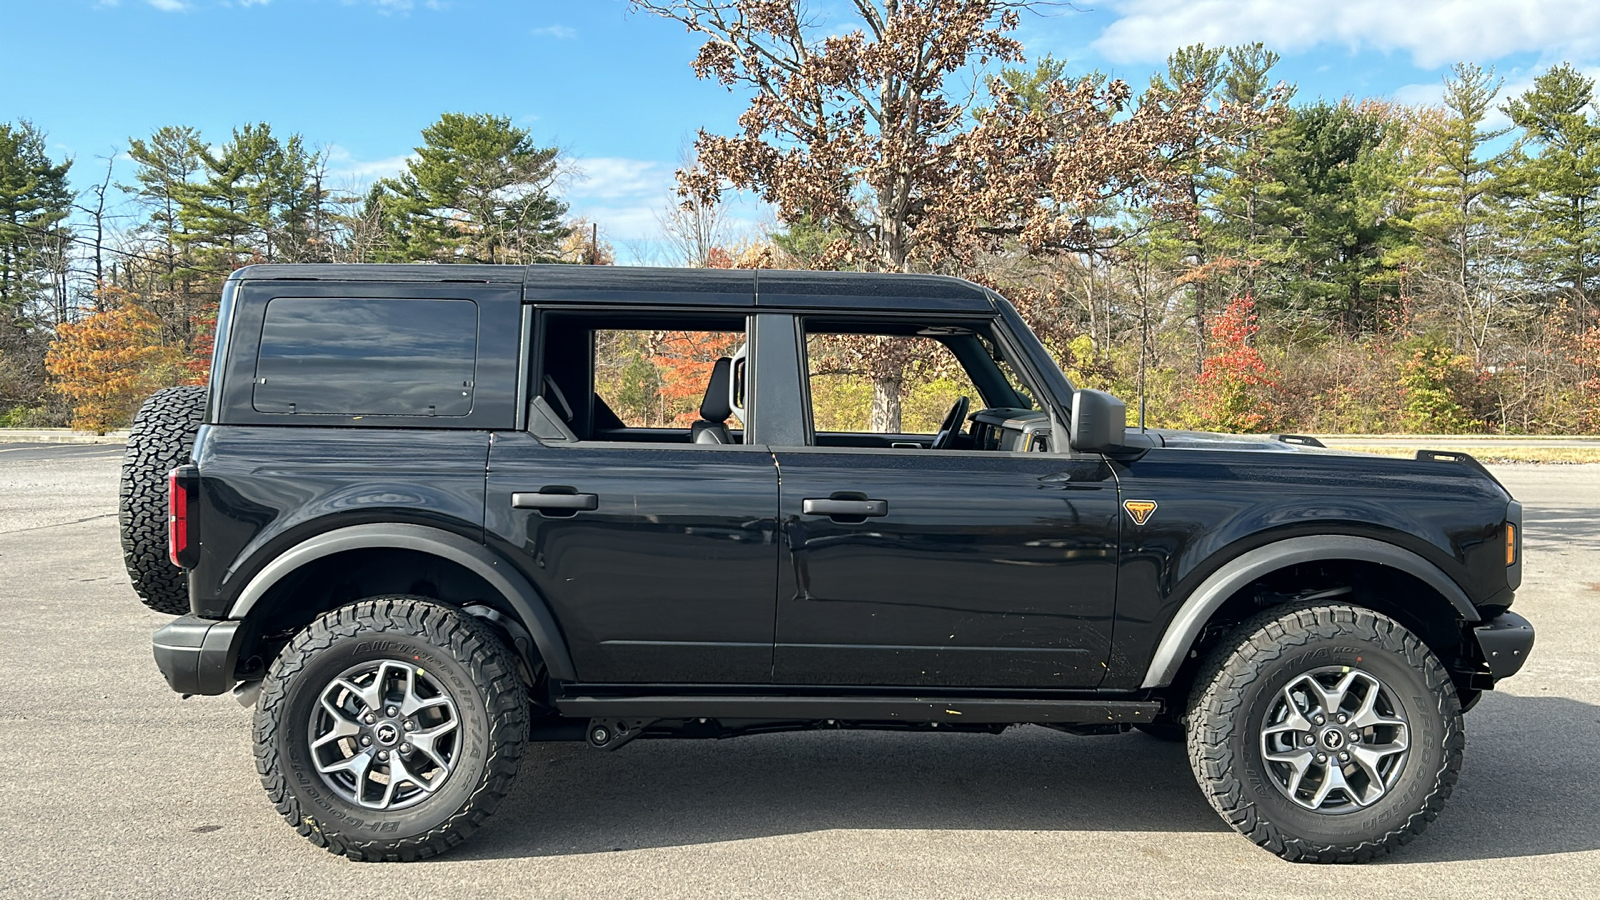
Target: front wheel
{"x":1325,"y":733}
{"x":390,"y":729}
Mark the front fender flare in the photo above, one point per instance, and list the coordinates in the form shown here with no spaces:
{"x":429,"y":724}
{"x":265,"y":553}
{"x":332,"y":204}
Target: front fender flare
{"x":524,"y":600}
{"x":1247,"y":567}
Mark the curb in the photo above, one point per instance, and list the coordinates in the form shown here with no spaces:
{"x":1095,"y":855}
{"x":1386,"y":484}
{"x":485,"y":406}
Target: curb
{"x":59,"y":436}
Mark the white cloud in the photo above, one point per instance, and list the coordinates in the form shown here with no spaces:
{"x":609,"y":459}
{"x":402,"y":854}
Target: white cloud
{"x":612,"y":178}
{"x":1433,"y":32}
{"x":168,"y":5}
{"x":344,"y":166}
{"x":559,"y":32}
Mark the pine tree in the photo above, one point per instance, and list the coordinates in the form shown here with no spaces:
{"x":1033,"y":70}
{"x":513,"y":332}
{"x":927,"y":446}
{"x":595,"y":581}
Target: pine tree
{"x":1557,"y":191}
{"x":1456,"y":216}
{"x":479,"y":190}
{"x":34,"y":201}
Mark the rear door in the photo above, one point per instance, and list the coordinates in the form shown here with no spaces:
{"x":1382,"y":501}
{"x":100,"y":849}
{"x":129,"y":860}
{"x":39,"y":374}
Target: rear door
{"x":657,"y":556}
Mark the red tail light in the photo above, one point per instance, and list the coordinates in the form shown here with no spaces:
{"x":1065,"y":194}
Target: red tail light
{"x":179,"y":485}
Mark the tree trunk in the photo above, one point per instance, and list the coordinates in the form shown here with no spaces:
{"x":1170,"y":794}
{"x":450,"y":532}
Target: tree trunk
{"x":886,"y":402}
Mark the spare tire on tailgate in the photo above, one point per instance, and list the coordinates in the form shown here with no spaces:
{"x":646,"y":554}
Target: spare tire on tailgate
{"x":161,"y":439}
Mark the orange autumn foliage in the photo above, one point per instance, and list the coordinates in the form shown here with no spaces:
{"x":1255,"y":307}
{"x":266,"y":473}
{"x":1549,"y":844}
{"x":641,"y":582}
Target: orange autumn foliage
{"x":109,"y":362}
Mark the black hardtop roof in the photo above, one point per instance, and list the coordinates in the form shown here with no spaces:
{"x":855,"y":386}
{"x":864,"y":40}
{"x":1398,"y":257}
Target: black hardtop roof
{"x":553,"y":284}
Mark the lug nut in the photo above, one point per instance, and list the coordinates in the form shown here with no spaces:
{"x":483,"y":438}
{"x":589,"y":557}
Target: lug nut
{"x":370,"y":719}
{"x":392,"y":710}
{"x":1310,"y":740}
{"x":1322,"y":757}
{"x":1320,"y":720}
{"x":405,"y":748}
{"x":1343,"y":718}
{"x":1344,"y":757}
{"x":410,"y":725}
{"x":1355,"y":736}
{"x":383,"y":754}
{"x":365,"y":740}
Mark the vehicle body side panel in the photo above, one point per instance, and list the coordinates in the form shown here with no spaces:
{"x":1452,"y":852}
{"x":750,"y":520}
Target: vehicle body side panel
{"x":1213,"y":505}
{"x":265,"y":489}
{"x":670,"y":578}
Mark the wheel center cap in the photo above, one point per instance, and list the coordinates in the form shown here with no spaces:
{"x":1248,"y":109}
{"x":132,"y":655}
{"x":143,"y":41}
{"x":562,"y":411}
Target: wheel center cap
{"x":1333,"y":739}
{"x":386,"y":734}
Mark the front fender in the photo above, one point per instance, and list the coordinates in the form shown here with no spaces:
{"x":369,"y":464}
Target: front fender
{"x":1197,"y":609}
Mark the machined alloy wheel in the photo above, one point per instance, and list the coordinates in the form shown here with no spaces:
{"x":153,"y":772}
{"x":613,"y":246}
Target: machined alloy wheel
{"x":390,"y":729}
{"x":1335,"y":740}
{"x":385,"y":734}
{"x":1325,"y":733}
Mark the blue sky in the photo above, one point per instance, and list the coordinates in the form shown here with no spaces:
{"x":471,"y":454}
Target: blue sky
{"x":613,"y":87}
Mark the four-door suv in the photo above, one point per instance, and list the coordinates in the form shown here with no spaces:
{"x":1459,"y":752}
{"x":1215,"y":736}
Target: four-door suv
{"x":427,"y":514}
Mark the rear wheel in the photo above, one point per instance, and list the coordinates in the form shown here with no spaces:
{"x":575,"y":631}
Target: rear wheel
{"x":390,"y":729}
{"x":161,"y":439}
{"x":1325,"y":733}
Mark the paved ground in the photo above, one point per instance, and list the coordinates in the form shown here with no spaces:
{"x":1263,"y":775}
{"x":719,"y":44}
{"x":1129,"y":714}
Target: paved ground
{"x":113,"y":786}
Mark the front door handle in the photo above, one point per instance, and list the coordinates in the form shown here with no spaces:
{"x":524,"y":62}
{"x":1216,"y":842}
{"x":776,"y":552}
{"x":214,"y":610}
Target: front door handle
{"x":829,"y":507}
{"x":567,"y":502}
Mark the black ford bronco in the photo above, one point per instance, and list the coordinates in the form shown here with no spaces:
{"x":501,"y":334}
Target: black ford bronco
{"x":418,"y":519}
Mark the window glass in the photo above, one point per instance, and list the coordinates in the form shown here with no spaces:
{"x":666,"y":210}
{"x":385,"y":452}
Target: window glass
{"x":656,"y":379}
{"x":367,"y":357}
{"x":850,"y":372}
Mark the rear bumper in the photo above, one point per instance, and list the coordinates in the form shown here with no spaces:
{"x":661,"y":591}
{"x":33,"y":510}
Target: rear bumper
{"x":198,"y":656}
{"x":1506,"y":641}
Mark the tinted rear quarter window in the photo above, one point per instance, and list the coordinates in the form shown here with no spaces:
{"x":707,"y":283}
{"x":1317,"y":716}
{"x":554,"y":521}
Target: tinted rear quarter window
{"x":367,"y":357}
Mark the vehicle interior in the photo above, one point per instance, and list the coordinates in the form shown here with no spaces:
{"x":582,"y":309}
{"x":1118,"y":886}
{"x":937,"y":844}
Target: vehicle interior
{"x":676,"y":378}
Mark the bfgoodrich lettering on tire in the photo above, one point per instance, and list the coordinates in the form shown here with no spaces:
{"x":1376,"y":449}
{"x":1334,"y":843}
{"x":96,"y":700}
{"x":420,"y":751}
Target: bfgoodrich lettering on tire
{"x":1325,"y":733}
{"x":388,"y":730}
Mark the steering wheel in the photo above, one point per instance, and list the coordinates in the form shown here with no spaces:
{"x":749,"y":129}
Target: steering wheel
{"x":950,"y":428}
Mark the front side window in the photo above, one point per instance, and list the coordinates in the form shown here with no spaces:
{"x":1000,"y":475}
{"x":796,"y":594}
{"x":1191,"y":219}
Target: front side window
{"x":882,"y":384}
{"x":916,"y":386}
{"x":367,"y":357}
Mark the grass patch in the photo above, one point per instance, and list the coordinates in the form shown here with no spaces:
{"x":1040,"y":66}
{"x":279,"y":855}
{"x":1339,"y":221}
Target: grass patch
{"x":1558,"y":455}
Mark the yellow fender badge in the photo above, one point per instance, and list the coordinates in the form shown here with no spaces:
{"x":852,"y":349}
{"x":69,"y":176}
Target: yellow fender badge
{"x":1140,"y":510}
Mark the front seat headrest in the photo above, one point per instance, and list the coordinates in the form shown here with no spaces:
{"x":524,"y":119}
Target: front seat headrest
{"x":715,"y":407}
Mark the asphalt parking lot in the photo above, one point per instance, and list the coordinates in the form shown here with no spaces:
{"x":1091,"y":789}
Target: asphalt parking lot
{"x":114,"y":786}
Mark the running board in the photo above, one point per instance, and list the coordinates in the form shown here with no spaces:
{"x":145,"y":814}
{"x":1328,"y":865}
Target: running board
{"x":862,"y":709}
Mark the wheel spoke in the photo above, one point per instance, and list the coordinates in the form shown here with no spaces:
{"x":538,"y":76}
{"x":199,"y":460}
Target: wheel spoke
{"x":356,"y":765}
{"x":1299,"y":762}
{"x":427,"y":741}
{"x":1332,"y":781}
{"x":1294,"y":721}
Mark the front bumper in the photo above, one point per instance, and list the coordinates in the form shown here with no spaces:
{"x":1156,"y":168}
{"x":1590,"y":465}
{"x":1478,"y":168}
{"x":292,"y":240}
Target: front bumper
{"x":198,"y":656}
{"x":1506,"y":641}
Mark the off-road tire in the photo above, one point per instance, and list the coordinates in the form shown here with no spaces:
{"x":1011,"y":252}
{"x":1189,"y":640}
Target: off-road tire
{"x":476,"y":669}
{"x":1247,"y":671}
{"x":161,"y":439}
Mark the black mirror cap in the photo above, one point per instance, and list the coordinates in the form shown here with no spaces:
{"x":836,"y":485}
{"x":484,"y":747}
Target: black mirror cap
{"x":1099,"y":422}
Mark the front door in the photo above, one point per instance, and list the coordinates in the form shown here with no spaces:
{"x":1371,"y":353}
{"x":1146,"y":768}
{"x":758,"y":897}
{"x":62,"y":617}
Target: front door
{"x":976,"y":569}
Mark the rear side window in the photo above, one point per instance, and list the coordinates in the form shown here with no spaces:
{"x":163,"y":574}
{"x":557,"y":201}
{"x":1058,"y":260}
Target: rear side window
{"x":367,"y":357}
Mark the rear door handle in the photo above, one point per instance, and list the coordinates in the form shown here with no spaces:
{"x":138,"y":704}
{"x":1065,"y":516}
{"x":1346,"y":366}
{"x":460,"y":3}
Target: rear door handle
{"x":542,"y":500}
{"x":829,"y":507}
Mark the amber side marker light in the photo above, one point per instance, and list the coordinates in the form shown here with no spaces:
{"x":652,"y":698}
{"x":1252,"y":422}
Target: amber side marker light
{"x":1511,"y":544}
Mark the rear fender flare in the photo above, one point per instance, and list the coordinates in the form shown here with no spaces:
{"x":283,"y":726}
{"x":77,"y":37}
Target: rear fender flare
{"x":516,"y":590}
{"x":1206,"y":599}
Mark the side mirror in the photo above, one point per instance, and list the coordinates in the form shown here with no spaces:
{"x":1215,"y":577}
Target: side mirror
{"x":1099,"y":422}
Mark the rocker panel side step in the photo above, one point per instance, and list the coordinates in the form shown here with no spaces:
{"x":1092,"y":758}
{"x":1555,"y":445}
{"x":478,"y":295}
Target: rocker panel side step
{"x":862,"y":709}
